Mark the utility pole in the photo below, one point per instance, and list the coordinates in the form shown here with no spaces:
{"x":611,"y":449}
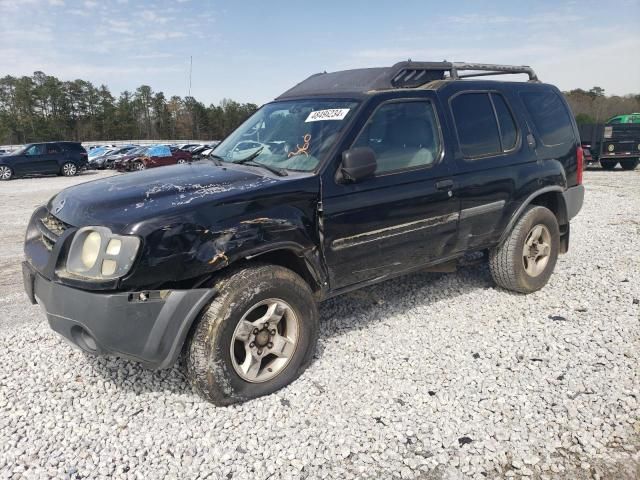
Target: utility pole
{"x":190,"y":70}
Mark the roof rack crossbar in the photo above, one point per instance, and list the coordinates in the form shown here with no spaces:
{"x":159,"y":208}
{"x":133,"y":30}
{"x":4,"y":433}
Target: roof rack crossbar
{"x":487,"y":69}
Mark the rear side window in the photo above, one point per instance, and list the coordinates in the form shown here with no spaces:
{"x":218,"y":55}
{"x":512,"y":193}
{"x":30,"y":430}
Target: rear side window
{"x":476,"y":125}
{"x":508,"y":130}
{"x":73,"y":147}
{"x":550,"y":117}
{"x":53,"y":148}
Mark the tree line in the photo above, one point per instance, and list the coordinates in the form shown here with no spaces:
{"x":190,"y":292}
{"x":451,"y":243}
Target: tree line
{"x":42,"y":107}
{"x":593,"y":106}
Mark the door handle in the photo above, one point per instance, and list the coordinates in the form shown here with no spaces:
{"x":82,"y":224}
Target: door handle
{"x":444,"y":184}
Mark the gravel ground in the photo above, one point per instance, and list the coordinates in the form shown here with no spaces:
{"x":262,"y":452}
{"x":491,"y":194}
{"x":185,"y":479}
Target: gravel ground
{"x":429,"y":376}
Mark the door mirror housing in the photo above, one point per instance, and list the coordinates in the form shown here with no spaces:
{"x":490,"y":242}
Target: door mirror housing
{"x":358,"y":163}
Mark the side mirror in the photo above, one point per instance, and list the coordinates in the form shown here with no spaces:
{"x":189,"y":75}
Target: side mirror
{"x":358,"y":164}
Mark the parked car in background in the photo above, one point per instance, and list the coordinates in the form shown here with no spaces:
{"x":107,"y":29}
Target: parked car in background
{"x":180,"y":156}
{"x":62,"y":158}
{"x":197,"y":151}
{"x":96,"y":152}
{"x":114,"y":161}
{"x":187,"y":146}
{"x":154,"y":156}
{"x":100,"y":161}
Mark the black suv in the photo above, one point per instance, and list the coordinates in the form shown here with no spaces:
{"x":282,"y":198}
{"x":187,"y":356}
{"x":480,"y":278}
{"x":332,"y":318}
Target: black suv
{"x":62,"y":158}
{"x":347,"y":179}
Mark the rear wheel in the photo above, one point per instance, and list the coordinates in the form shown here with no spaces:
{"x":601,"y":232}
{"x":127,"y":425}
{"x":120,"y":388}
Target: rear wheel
{"x":69,"y":169}
{"x":5,"y":172}
{"x":630,"y":164}
{"x":257,"y":336}
{"x":608,"y":164}
{"x":526,"y":259}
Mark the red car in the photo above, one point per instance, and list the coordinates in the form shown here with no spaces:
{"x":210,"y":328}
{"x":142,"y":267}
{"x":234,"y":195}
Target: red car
{"x":154,"y":156}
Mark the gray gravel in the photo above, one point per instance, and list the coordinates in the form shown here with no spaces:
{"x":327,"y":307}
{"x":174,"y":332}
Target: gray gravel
{"x":428,"y":376}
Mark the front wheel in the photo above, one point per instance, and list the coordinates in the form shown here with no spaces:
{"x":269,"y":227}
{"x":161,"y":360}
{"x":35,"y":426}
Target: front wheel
{"x":138,"y":166}
{"x":181,"y":161}
{"x":526,"y":259}
{"x":69,"y":169}
{"x":257,"y":336}
{"x":630,"y":164}
{"x":5,"y":172}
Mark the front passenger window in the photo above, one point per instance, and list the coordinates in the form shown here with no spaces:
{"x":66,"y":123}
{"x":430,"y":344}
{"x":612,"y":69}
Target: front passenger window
{"x":35,"y":150}
{"x":403,"y":135}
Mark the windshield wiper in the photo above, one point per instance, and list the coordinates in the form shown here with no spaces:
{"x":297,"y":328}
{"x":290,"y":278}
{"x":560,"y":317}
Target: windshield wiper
{"x":217,"y":159}
{"x":251,"y":156}
{"x":248,"y":161}
{"x":278,"y":171}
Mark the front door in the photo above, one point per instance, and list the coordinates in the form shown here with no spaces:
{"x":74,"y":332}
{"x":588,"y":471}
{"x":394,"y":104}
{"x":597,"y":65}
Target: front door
{"x":403,"y":217}
{"x":35,"y":160}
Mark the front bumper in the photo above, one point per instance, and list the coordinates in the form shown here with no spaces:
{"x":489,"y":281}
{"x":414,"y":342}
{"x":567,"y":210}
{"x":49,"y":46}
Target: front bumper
{"x":149,"y":328}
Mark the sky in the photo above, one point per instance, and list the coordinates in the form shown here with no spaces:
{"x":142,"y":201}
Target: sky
{"x":251,"y":51}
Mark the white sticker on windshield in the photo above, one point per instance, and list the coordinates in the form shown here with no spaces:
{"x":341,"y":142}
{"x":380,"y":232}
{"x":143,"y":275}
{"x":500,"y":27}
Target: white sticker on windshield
{"x":330,"y":114}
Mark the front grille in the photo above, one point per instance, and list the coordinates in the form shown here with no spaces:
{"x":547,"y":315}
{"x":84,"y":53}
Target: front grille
{"x":627,"y":131}
{"x":51,"y":228}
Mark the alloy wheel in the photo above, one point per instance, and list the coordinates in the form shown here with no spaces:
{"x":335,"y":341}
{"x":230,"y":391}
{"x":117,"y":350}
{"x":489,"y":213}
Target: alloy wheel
{"x":5,"y":172}
{"x":265,"y":340}
{"x":69,"y":169}
{"x":537,"y":250}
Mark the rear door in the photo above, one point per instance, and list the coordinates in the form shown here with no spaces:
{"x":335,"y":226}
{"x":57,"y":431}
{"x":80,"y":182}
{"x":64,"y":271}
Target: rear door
{"x":54,"y":158}
{"x":493,"y":160}
{"x":403,"y":217}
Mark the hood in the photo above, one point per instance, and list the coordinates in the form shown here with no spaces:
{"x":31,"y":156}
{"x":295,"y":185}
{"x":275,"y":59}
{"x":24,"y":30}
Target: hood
{"x":123,"y":200}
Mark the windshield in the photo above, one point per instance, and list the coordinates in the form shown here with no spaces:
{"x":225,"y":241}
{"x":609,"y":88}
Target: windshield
{"x":294,"y":135}
{"x":136,"y":151}
{"x":19,"y":150}
{"x":97,"y":151}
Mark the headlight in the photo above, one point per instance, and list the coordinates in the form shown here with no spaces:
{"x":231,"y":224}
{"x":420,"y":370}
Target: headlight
{"x":98,"y":254}
{"x":90,"y":249}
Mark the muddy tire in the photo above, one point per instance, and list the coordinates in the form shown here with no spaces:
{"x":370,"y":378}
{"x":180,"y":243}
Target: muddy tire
{"x":526,"y":259}
{"x":608,"y":164}
{"x":630,"y":164}
{"x":257,"y":336}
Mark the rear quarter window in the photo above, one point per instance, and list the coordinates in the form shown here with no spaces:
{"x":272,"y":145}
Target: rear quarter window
{"x":73,"y":147}
{"x":550,"y":117}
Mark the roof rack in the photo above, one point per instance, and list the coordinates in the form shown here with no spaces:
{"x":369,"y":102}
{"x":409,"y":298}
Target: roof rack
{"x":406,"y":74}
{"x":413,"y":74}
